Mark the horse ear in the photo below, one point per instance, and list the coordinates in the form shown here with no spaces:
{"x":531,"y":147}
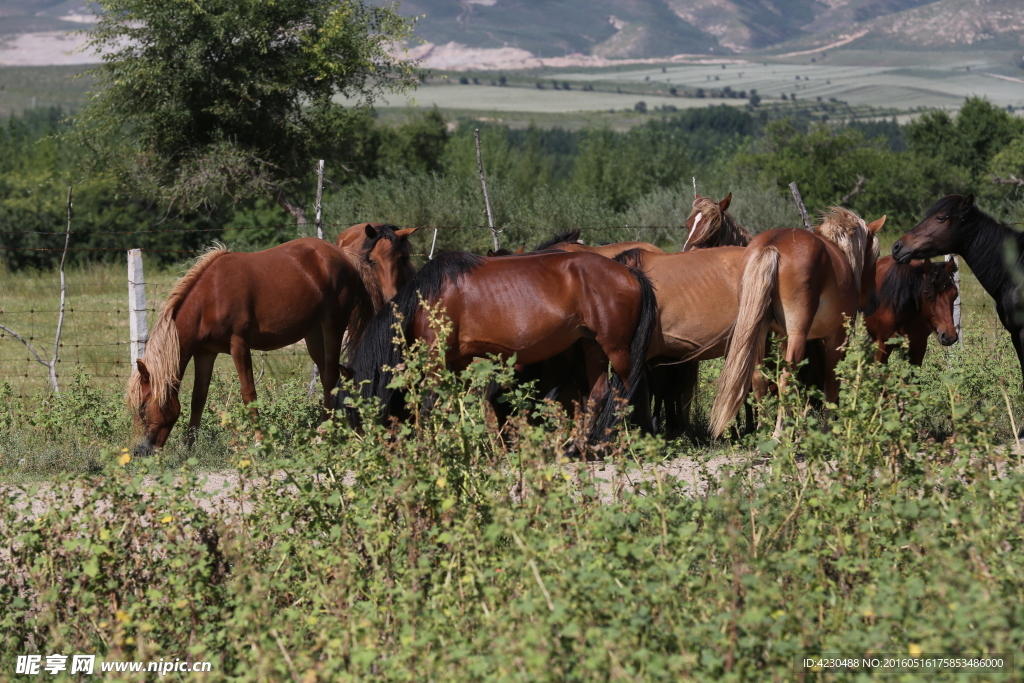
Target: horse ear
{"x":143,"y":370}
{"x":405,"y":232}
{"x":876,"y":225}
{"x":950,"y":266}
{"x":371,"y":231}
{"x":967,"y":202}
{"x":724,"y":204}
{"x":520,"y":249}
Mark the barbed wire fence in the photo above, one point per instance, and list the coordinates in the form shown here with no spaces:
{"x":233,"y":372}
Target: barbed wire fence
{"x":97,"y":337}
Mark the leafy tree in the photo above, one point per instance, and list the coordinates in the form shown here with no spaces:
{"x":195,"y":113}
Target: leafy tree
{"x":970,"y":140}
{"x":236,"y":98}
{"x":417,"y":145}
{"x":828,"y":164}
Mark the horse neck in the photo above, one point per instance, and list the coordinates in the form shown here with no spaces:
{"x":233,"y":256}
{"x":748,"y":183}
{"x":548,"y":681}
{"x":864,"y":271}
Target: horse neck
{"x":982,"y":250}
{"x":732,"y":233}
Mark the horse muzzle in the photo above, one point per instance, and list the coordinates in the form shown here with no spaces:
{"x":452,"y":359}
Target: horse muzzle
{"x":948,"y":339}
{"x":144,"y":449}
{"x":899,"y":254}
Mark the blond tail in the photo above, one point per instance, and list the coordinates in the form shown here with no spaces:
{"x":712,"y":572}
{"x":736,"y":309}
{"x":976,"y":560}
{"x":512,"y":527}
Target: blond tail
{"x":746,"y":347}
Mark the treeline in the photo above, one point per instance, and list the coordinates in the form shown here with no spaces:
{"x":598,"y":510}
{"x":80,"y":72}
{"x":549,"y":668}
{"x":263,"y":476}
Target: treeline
{"x":423,"y":173}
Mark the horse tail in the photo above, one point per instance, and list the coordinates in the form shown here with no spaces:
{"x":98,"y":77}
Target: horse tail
{"x":369,"y":298}
{"x":377,"y":350}
{"x":638,"y":347}
{"x":746,"y":347}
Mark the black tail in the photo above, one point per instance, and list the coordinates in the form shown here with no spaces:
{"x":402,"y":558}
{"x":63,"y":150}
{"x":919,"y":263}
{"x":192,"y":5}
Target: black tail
{"x":379,"y":346}
{"x":637,"y":363}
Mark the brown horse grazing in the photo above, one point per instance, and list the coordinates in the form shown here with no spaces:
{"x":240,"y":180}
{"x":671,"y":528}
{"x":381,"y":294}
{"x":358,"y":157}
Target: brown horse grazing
{"x":914,"y":300}
{"x":710,"y":225}
{"x":535,"y":306}
{"x":385,"y":248}
{"x":570,"y":241}
{"x":233,"y":303}
{"x":804,"y":285}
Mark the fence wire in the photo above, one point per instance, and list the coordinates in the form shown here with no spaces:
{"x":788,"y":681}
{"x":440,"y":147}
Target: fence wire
{"x":96,"y":341}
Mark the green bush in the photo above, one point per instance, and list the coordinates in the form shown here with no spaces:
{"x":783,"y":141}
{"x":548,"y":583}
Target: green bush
{"x":446,"y":549}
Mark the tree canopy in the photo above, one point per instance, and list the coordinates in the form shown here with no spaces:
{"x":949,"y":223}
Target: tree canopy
{"x":236,"y":98}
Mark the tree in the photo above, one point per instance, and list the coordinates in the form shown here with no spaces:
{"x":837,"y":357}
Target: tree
{"x":236,"y":98}
{"x":970,"y":141}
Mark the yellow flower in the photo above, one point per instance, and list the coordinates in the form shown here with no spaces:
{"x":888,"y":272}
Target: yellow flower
{"x":167,"y":520}
{"x":124,"y":458}
{"x":914,"y":650}
{"x":121,"y":616}
{"x":242,"y":464}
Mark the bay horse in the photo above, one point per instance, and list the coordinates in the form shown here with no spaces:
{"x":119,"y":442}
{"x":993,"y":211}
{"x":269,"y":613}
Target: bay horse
{"x":305,"y":289}
{"x":915,"y":299}
{"x":385,"y":248}
{"x":673,"y":382}
{"x":803,"y":285}
{"x":955,"y":225}
{"x":535,"y":306}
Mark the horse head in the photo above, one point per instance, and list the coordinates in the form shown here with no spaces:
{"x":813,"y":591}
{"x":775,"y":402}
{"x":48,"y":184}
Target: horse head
{"x":939,"y":296}
{"x":705,"y":222}
{"x":154,"y":417}
{"x":937,"y":234}
{"x":386,"y":249}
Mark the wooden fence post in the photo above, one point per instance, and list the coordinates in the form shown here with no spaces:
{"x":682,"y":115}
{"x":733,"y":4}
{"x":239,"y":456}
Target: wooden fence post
{"x":956,"y":302}
{"x":138,"y":327}
{"x":314,"y":374}
{"x":800,"y":204}
{"x":319,"y":196}
{"x":483,"y":182}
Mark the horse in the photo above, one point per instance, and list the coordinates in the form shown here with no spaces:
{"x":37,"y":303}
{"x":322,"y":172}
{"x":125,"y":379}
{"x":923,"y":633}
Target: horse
{"x":673,"y":383}
{"x":915,"y":299}
{"x":385,"y":248}
{"x":710,"y":225}
{"x":535,"y":306}
{"x":955,"y":225}
{"x":305,"y":289}
{"x":569,"y":240}
{"x":804,"y":285}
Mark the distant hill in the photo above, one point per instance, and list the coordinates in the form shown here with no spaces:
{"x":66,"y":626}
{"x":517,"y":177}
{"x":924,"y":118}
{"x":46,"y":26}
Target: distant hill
{"x":660,"y":28}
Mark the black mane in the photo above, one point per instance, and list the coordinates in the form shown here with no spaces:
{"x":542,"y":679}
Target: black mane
{"x":901,"y":289}
{"x":377,"y":348}
{"x":564,"y":236}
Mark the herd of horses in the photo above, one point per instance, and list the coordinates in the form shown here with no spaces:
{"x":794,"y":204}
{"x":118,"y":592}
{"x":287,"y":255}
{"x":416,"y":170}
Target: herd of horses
{"x":569,"y":312}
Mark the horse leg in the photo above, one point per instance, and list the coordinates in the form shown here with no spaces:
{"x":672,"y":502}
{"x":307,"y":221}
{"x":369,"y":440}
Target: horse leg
{"x":834,"y":351}
{"x":918,"y":345}
{"x":1017,"y":337}
{"x":203,"y":361}
{"x":796,"y":343}
{"x":242,"y":357}
{"x":330,"y":363}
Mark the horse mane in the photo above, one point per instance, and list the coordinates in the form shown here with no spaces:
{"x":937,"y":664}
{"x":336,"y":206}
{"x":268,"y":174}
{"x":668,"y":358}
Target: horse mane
{"x":631,"y":257}
{"x":901,"y":288}
{"x":366,"y":274}
{"x":564,"y":236}
{"x":847,"y":231}
{"x":717,"y":228}
{"x":377,"y":350}
{"x":987,"y":234}
{"x":163,"y":353}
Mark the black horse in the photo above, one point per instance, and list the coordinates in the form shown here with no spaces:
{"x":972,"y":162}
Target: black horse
{"x":954,"y":225}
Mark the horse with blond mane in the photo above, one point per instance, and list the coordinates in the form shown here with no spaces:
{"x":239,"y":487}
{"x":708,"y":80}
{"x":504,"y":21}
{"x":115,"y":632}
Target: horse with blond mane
{"x":232,"y":303}
{"x":804,"y":285}
{"x":710,"y":225}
